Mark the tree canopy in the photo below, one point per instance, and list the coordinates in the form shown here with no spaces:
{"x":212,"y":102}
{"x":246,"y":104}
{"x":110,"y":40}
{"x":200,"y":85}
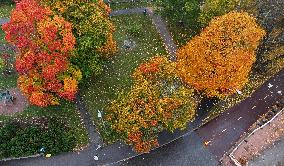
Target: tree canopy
{"x":218,"y":61}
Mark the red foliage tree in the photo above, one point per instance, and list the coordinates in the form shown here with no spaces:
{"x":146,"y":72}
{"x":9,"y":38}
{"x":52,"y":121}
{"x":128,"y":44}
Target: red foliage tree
{"x":45,"y":42}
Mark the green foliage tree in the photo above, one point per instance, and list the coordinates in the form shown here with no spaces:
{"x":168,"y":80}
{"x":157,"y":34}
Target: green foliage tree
{"x":212,"y":8}
{"x":93,"y":31}
{"x":182,"y":11}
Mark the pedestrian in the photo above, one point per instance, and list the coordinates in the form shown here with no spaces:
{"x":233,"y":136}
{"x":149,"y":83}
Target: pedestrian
{"x":145,"y":12}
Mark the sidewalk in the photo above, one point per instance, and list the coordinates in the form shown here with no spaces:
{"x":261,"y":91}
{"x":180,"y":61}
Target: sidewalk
{"x":271,"y":156}
{"x":225,"y":130}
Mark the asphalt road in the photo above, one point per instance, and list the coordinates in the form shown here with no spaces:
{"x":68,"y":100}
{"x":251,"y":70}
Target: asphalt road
{"x":188,"y":150}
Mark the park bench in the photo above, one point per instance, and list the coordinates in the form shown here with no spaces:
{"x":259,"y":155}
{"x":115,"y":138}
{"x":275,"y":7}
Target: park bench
{"x":128,"y":44}
{"x":6,"y":97}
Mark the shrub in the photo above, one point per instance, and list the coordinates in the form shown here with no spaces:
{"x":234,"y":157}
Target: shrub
{"x":157,"y":101}
{"x":219,"y":60}
{"x":45,"y":42}
{"x":18,"y":139}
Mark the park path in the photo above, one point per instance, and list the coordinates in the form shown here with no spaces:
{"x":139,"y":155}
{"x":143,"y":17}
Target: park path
{"x":164,"y":33}
{"x":94,"y":137}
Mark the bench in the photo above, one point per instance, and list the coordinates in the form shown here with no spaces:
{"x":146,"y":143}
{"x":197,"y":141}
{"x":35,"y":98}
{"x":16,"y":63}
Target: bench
{"x":7,"y":98}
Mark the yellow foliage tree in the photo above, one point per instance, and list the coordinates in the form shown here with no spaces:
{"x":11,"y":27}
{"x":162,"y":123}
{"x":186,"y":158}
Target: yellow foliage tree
{"x":219,"y":60}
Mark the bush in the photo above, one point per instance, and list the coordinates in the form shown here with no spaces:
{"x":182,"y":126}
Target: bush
{"x":157,"y":101}
{"x":18,"y":139}
{"x":219,"y":60}
{"x":8,"y":2}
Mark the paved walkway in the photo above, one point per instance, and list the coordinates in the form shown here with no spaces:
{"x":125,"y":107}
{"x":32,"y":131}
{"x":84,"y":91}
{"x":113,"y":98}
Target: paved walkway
{"x":94,"y":137}
{"x":164,"y":33}
{"x":271,"y":156}
{"x":187,"y":151}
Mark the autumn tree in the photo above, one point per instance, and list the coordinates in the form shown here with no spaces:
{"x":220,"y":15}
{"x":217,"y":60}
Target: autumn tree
{"x":93,"y":31}
{"x":219,"y":60}
{"x":45,"y":43}
{"x":157,"y":101}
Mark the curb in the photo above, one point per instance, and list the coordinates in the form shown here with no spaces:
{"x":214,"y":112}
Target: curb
{"x":232,"y":157}
{"x":19,"y":158}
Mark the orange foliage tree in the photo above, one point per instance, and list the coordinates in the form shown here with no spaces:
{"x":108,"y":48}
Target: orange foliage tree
{"x":157,"y":101}
{"x":45,"y":43}
{"x":219,"y":60}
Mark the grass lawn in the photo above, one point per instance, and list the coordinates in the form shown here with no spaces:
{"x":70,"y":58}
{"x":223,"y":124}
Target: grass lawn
{"x":5,"y":10}
{"x":118,"y":5}
{"x":117,"y":72}
{"x":7,"y":81}
{"x":2,"y":37}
